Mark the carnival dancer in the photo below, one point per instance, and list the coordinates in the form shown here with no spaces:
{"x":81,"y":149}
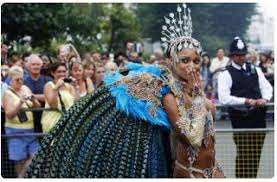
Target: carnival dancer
{"x":122,"y":129}
{"x":190,"y":113}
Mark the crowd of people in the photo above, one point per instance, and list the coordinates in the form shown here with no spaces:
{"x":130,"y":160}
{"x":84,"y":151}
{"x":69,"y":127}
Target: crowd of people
{"x":38,"y":80}
{"x":212,"y":67}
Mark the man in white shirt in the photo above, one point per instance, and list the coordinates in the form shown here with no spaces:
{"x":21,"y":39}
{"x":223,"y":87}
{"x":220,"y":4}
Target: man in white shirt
{"x":244,"y":83}
{"x":218,"y":64}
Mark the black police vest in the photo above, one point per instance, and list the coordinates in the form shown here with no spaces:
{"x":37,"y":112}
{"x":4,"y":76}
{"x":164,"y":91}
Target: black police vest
{"x":245,"y":84}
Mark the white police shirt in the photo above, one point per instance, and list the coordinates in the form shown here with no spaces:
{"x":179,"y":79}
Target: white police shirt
{"x":225,"y":84}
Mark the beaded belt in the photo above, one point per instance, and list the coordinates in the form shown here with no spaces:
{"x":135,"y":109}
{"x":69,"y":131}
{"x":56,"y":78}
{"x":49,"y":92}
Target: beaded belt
{"x":207,"y":173}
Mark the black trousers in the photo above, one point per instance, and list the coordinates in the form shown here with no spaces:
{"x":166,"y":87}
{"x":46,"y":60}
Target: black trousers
{"x":248,"y":144}
{"x":249,"y":147}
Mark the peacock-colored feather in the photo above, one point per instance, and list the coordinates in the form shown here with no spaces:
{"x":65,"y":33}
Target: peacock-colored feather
{"x":95,"y":139}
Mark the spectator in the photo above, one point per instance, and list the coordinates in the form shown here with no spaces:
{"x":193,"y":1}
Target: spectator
{"x":25,"y":63}
{"x":58,"y":95}
{"x":205,"y":69}
{"x":47,"y":61}
{"x":15,"y":60}
{"x":120,"y":59}
{"x":87,"y":57}
{"x":266,"y":66}
{"x":4,"y":75}
{"x":264,"y":62}
{"x":152,"y":59}
{"x":129,"y":48}
{"x":89,"y":71}
{"x":89,"y":68}
{"x":218,"y":63}
{"x":271,"y":62}
{"x":4,"y":71}
{"x":271,"y":56}
{"x":105,"y":58}
{"x":66,"y":54}
{"x":254,"y":58}
{"x":35,"y":81}
{"x":110,"y":67}
{"x":209,"y":92}
{"x":99,"y":75}
{"x":82,"y":86}
{"x":96,"y":56}
{"x":134,"y":58}
{"x":270,"y":68}
{"x":243,"y":83}
{"x":159,"y":55}
{"x":4,"y":54}
{"x":18,"y":96}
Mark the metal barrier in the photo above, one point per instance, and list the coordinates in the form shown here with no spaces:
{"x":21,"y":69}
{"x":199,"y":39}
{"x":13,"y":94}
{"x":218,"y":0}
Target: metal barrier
{"x":7,"y":166}
{"x":226,"y":149}
{"x":254,"y":140}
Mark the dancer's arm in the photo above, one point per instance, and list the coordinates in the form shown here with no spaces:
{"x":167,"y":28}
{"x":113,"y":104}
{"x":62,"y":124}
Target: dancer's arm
{"x":170,"y":105}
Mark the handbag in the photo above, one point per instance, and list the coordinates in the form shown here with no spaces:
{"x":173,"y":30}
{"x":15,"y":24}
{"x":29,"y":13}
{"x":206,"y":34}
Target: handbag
{"x":62,"y":104}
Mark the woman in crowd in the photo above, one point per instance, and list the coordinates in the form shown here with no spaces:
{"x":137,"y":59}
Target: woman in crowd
{"x":205,"y":69}
{"x":264,"y":63}
{"x":98,"y":75}
{"x":47,"y":62}
{"x":59,"y":95}
{"x":89,"y":70}
{"x":122,"y":130}
{"x":16,"y":97}
{"x":110,"y":67}
{"x":83,"y":86}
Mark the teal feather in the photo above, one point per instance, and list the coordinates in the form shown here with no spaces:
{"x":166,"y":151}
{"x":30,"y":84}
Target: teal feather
{"x":135,"y":107}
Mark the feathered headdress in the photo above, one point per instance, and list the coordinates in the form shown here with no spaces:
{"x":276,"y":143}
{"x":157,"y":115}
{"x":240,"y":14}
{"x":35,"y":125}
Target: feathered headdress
{"x":177,"y":31}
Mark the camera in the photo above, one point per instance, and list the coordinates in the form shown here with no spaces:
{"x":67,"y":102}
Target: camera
{"x":22,"y":116}
{"x":66,"y":48}
{"x":29,"y":97}
{"x":67,"y":80}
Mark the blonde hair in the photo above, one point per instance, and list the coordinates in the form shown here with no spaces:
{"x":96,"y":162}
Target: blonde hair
{"x":87,"y":63}
{"x":15,"y":71}
{"x":109,"y":66}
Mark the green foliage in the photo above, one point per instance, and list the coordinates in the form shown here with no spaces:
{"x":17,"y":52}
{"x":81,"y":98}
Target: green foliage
{"x":50,"y":24}
{"x":36,"y":20}
{"x":122,"y":26}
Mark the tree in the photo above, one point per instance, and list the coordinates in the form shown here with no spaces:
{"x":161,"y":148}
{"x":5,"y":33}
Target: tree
{"x":35,"y":20}
{"x":76,"y":23}
{"x":122,"y":27}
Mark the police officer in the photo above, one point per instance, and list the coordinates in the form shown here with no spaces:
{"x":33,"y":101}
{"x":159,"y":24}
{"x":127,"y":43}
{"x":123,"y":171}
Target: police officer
{"x":241,"y":83}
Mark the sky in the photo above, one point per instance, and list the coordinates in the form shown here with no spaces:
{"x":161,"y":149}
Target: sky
{"x":267,"y":7}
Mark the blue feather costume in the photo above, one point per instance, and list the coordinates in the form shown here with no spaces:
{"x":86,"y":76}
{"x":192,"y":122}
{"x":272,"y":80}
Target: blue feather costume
{"x":121,"y":130}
